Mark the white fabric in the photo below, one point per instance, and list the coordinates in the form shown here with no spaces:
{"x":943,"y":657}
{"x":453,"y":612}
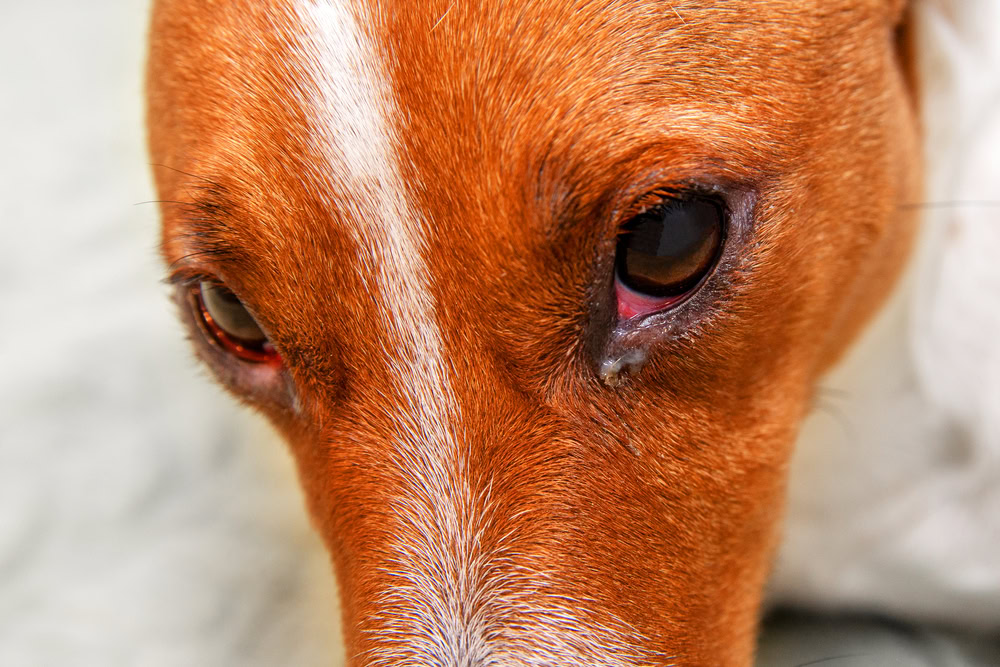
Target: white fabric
{"x":146,"y":520}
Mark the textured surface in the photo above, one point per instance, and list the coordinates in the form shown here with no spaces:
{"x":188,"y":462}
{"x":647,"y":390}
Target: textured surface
{"x":144,"y":519}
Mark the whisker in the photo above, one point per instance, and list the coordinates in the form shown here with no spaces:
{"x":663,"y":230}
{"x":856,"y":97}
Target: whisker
{"x":825,"y":402}
{"x":180,"y":171}
{"x":677,"y":13}
{"x":179,"y":264}
{"x":162,"y":201}
{"x":949,"y":204}
{"x":829,"y":659}
{"x":447,"y":11}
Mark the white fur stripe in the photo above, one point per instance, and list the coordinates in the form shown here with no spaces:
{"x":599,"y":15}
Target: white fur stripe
{"x":351,"y":122}
{"x":447,"y":597}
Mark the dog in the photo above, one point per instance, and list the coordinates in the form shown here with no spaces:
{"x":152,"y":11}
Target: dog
{"x":538,"y":293}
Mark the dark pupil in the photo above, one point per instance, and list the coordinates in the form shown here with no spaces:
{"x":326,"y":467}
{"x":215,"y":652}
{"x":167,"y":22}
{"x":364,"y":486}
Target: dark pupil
{"x":229,"y":313}
{"x":669,"y":248}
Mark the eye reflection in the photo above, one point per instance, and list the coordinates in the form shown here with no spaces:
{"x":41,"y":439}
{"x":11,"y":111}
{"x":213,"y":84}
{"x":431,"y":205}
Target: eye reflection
{"x":667,"y":250}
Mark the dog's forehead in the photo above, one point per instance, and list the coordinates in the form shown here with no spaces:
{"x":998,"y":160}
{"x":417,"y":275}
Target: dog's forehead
{"x":473,"y":100}
{"x":502,"y":81}
{"x":413,"y":126}
{"x":467,"y":87}
{"x":494,"y":93}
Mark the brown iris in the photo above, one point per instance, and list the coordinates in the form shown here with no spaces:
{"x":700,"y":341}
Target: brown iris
{"x":668,"y":249}
{"x":230,"y":324}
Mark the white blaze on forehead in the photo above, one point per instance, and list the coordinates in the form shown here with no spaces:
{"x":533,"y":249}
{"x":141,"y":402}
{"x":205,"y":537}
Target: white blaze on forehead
{"x":351,"y":112}
{"x":446,"y":597}
{"x":350,"y":120}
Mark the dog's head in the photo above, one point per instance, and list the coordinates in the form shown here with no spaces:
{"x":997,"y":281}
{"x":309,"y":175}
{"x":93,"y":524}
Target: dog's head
{"x":537,"y":291}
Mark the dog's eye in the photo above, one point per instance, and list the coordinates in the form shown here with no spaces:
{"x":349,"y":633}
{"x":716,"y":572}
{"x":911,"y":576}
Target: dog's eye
{"x":664,"y":253}
{"x":230,"y":324}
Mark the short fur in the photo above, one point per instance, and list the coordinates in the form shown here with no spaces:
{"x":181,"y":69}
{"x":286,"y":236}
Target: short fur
{"x":572,"y":521}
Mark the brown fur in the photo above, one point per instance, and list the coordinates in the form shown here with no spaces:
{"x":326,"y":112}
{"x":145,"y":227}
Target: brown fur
{"x":651,"y":508}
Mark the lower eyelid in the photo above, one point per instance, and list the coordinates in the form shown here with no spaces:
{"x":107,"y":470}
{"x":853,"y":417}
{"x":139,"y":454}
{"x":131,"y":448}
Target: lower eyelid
{"x":632,"y":304}
{"x":265,"y":383}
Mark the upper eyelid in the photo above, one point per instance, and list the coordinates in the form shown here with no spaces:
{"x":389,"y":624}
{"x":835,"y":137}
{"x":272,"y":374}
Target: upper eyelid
{"x":205,"y":230}
{"x":660,"y":196}
{"x":185,"y":276}
{"x":655,"y":197}
{"x":204,"y":241}
{"x":182,"y":277}
{"x":206,"y":253}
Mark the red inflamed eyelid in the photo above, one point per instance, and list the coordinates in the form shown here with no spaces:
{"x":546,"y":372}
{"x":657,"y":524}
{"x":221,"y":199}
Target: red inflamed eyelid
{"x":256,"y":349}
{"x":633,"y":304}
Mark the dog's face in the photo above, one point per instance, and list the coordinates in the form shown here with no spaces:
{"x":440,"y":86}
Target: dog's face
{"x":542,"y":291}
